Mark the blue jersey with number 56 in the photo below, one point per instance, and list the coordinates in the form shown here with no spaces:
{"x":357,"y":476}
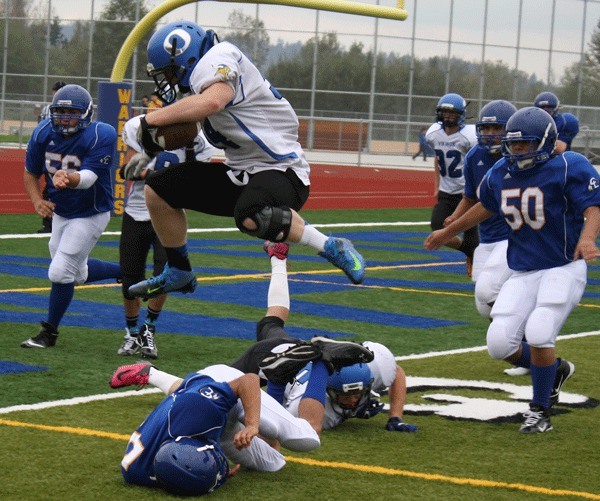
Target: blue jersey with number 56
{"x":543,"y":206}
{"x":92,"y":148}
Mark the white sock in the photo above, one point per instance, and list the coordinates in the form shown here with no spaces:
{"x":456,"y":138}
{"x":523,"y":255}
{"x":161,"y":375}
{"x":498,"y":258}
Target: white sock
{"x":313,"y":238}
{"x":279,"y":293}
{"x":162,"y":380}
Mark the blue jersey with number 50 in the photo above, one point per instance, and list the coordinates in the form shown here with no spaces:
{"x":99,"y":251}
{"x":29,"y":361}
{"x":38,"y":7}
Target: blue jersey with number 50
{"x":543,"y":206}
{"x":92,"y":148}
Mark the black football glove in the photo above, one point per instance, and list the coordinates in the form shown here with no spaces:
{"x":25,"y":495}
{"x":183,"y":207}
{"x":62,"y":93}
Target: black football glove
{"x":396,"y":424}
{"x":370,"y":409}
{"x":146,"y":137}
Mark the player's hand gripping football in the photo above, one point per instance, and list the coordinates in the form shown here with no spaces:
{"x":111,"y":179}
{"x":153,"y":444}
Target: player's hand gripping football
{"x":146,"y":137}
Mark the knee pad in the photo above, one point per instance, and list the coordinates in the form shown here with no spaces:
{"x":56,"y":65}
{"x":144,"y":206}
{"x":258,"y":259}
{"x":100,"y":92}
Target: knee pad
{"x":541,"y":328}
{"x":501,"y":342}
{"x":485,"y":296}
{"x":484,"y":309}
{"x":273,"y":223}
{"x":64,"y":270}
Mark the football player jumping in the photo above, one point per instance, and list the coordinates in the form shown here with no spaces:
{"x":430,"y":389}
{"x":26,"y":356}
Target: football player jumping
{"x":75,"y":156}
{"x":264,"y":181}
{"x":552,"y":204}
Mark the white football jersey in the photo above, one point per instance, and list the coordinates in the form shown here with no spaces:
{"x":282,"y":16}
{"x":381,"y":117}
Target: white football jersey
{"x":135,"y":204}
{"x":258,"y":130}
{"x":383,"y":367}
{"x":450,"y":151}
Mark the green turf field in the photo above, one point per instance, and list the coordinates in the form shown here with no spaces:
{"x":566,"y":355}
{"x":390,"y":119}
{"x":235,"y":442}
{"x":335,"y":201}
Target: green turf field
{"x":418,"y":303}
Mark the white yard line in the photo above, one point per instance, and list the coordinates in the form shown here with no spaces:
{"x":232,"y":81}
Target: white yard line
{"x":110,"y":396}
{"x":232,"y":230}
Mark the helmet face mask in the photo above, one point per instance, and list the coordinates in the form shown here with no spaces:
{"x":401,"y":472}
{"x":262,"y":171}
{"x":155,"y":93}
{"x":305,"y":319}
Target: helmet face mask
{"x":491,"y":126}
{"x":173,"y":53}
{"x":451,"y":110}
{"x":530,"y":138}
{"x":349,"y":389}
{"x":190,"y":466}
{"x":71,"y":110}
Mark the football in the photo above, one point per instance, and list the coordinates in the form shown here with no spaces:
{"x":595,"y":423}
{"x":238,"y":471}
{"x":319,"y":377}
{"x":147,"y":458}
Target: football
{"x":175,"y":136}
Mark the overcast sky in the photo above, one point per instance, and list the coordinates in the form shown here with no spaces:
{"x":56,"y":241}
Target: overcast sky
{"x":574,"y":22}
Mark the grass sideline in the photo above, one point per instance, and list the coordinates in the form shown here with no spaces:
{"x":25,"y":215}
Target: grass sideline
{"x":73,"y":452}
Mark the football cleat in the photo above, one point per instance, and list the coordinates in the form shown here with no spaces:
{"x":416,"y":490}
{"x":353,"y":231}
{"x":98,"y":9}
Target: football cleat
{"x":146,"y":341}
{"x":129,"y":375}
{"x":130,"y":344}
{"x":281,"y":368}
{"x":170,"y":280}
{"x":278,"y":249}
{"x":45,"y":339}
{"x":341,"y":253}
{"x":338,"y":354}
{"x":537,"y":420}
{"x":516,"y":371}
{"x":564,"y":371}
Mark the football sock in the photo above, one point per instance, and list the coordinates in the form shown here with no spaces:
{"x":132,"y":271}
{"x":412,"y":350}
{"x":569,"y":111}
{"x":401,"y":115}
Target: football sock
{"x":525,"y":358}
{"x":542,"y":379}
{"x":151,"y":316}
{"x":60,"y":299}
{"x":276,"y":391}
{"x":102,"y":270}
{"x":178,"y":257}
{"x":313,"y":238}
{"x":162,"y":380}
{"x":316,"y":387}
{"x":279,"y":294}
{"x":131,"y":323}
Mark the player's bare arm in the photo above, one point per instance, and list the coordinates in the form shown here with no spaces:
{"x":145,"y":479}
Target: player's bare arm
{"x":464,"y":205}
{"x":436,"y":179}
{"x":247,"y":389}
{"x":586,"y":246}
{"x":193,"y":108}
{"x":398,"y":394}
{"x":44,"y":208}
{"x":471,"y":218}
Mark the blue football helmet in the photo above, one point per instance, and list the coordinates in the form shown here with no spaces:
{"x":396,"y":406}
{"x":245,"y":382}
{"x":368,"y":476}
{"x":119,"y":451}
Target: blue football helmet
{"x":494,"y":113}
{"x":548,"y":102}
{"x":190,"y":466}
{"x":451,"y":102}
{"x":73,"y":97}
{"x":173,"y":53}
{"x":535,"y":127}
{"x":352,"y":380}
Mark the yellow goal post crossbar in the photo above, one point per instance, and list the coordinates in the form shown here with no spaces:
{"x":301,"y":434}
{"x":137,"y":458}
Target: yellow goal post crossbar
{"x":344,"y":6}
